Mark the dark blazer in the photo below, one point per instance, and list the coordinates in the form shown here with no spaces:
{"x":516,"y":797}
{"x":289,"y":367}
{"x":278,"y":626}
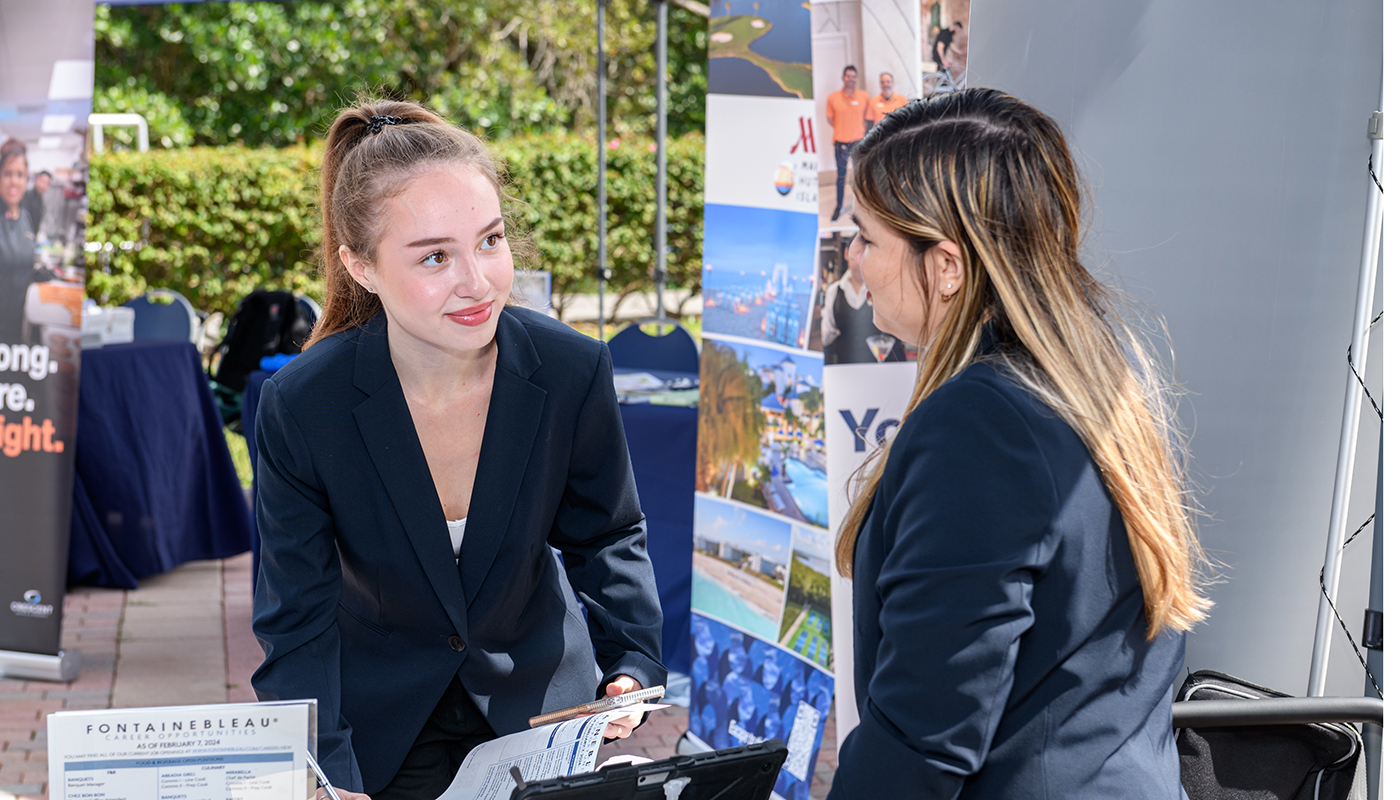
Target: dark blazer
{"x":358,"y":601}
{"x":1000,"y":637}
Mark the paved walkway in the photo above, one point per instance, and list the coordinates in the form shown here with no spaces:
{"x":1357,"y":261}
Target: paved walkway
{"x":185,"y":638}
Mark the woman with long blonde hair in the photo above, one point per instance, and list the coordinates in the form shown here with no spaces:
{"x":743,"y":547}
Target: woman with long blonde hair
{"x":1022,"y":554}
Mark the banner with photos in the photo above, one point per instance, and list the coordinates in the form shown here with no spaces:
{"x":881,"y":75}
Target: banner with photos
{"x":761,"y":627}
{"x":44,"y":106}
{"x":869,"y":58}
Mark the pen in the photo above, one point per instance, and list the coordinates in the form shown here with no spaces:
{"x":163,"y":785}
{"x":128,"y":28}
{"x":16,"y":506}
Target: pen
{"x":605,"y":704}
{"x":321,"y":778}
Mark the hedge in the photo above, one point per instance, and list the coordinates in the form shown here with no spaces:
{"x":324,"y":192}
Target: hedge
{"x":216,"y":223}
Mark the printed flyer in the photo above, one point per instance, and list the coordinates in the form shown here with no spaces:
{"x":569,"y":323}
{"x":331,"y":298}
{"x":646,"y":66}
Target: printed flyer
{"x":239,"y":751}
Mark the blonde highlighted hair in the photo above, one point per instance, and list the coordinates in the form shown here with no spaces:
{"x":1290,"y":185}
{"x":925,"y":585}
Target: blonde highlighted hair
{"x":984,"y":170}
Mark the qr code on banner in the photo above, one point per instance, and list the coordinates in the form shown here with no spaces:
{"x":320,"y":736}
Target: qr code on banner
{"x":804,"y":736}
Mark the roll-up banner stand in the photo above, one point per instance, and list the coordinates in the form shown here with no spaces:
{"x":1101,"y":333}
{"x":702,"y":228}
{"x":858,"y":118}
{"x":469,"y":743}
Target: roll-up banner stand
{"x":797,"y":384}
{"x":761,"y":589}
{"x":901,"y":50}
{"x":45,"y":100}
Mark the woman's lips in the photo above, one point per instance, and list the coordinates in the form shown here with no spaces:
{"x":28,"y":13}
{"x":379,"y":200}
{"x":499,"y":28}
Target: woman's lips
{"x":473,"y":316}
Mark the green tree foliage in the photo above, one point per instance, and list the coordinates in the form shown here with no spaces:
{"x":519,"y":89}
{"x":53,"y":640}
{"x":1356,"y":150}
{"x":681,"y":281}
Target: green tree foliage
{"x":275,"y":73}
{"x":210,"y":223}
{"x":215,"y":223}
{"x":731,"y":422}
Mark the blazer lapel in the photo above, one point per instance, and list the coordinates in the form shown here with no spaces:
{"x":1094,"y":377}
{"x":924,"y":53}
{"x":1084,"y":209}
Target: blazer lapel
{"x":512,"y":425}
{"x":387,"y":428}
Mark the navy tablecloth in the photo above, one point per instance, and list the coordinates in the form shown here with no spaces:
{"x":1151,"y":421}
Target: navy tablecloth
{"x":661,"y":440}
{"x":154,"y":485}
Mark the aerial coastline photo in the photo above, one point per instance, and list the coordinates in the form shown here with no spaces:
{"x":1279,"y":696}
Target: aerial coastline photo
{"x":761,"y":48}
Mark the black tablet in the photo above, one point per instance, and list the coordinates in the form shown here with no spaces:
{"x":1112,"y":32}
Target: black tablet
{"x":738,"y":773}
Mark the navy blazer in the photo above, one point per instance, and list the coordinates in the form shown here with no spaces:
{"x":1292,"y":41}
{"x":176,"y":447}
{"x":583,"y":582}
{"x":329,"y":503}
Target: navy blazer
{"x":359,"y":603}
{"x":1000,"y":635}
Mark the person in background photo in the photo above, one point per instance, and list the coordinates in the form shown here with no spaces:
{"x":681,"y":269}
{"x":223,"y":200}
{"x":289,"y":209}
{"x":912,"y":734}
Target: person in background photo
{"x":884,"y":102}
{"x":443,"y":481}
{"x":845,"y":112}
{"x":955,"y":55}
{"x":1023,"y":554}
{"x":847,"y":319}
{"x":943,"y":43}
{"x":34,"y":201}
{"x":16,"y":240}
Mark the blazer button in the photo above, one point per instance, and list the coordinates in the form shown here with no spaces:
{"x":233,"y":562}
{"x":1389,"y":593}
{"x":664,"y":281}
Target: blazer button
{"x":456,"y":643}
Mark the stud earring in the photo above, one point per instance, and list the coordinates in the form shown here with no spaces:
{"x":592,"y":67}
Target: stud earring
{"x":949,"y":296}
{"x":369,"y":289}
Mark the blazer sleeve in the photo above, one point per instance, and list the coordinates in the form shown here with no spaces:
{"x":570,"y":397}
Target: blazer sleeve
{"x":965,"y":524}
{"x":601,"y":534}
{"x":298,"y":586}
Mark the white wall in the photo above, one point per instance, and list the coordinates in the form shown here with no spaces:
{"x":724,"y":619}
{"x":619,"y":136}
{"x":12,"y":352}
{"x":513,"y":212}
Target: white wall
{"x":1225,"y":146}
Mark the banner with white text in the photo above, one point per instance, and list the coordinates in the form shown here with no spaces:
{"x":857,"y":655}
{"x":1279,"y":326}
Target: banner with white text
{"x":45,"y":101}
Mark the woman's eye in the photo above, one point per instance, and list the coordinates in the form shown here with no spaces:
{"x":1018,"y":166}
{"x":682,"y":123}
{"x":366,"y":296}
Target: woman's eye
{"x":436,"y":258}
{"x":493,"y":241}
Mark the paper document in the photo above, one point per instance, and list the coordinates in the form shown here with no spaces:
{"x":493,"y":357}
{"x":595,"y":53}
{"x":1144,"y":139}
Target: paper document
{"x":637,"y":382}
{"x":564,"y":748}
{"x":245,"y":751}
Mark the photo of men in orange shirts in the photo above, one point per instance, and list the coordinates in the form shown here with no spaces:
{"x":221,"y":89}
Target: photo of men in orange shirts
{"x":845,"y":110}
{"x":884,"y":102}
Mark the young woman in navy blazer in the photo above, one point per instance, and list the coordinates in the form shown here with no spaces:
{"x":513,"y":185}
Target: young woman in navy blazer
{"x":1022,"y":554}
{"x":416,"y":465}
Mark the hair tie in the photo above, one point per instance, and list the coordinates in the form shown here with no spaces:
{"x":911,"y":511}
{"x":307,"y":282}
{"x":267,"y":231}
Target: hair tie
{"x":377,"y":123}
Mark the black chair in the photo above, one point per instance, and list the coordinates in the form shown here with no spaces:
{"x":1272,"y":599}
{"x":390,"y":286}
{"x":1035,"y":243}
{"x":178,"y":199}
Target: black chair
{"x":634,"y":348}
{"x":1240,"y":740}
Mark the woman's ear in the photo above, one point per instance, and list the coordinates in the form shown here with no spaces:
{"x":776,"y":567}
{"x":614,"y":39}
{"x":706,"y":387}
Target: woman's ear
{"x":944,"y":264}
{"x":356,"y":267}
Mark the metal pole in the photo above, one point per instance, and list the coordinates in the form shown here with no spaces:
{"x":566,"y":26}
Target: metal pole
{"x":661,"y":64}
{"x":603,"y":274}
{"x":1346,"y":452}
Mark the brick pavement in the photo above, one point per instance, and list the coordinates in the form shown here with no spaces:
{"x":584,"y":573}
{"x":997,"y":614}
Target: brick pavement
{"x":186,"y":637}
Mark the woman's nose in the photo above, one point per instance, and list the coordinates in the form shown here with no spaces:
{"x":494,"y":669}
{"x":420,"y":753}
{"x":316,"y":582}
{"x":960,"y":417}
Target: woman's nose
{"x":471,"y":282}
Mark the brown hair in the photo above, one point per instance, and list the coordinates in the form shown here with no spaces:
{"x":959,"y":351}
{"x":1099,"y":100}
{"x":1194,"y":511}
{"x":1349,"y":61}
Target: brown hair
{"x":993,"y":175}
{"x":10,"y":149}
{"x":14,"y":148}
{"x":372,"y":151}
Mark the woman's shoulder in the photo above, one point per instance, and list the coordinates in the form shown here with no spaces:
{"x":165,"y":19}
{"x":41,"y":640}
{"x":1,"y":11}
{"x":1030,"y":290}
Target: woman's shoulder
{"x":328,"y":366}
{"x":982,"y":390}
{"x":984,"y":417}
{"x":546,"y":330}
{"x":981,"y":416}
{"x":560,"y":349}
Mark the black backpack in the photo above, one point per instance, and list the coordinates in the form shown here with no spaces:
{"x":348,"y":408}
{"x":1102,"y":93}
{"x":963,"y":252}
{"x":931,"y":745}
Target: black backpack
{"x":265,"y":323}
{"x":1317,"y":761}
